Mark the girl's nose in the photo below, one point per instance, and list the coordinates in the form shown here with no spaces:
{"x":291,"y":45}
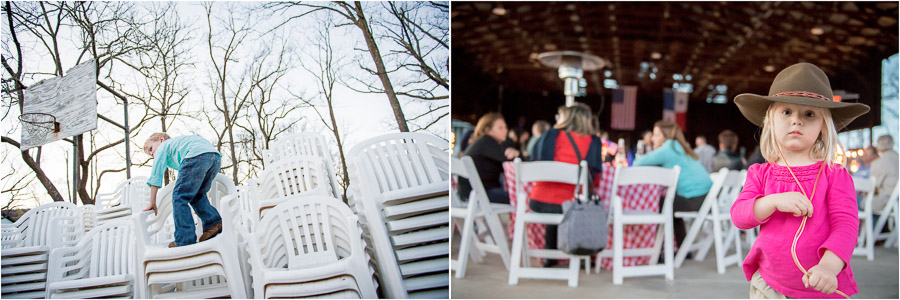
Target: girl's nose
{"x":795,"y":120}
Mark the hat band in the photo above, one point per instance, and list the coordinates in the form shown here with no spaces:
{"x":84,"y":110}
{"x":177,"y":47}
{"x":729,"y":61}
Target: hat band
{"x":802,"y":94}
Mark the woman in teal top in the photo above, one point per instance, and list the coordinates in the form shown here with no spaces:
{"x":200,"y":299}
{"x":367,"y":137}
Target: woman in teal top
{"x":671,"y":149}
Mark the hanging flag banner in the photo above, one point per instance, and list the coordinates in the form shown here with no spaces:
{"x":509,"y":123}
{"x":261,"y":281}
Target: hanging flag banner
{"x":624,"y":102}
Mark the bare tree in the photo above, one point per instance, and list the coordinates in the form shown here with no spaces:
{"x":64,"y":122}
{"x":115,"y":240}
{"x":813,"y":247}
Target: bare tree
{"x":326,"y":68}
{"x":355,"y":14}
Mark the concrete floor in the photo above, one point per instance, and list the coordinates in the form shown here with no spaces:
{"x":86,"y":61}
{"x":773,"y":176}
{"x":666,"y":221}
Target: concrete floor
{"x":876,"y":279}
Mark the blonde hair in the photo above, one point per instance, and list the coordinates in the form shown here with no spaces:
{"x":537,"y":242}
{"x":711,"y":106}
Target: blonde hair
{"x":577,"y":118}
{"x":671,"y":131}
{"x":485,"y":123}
{"x":823,"y":149}
{"x":156,"y":136}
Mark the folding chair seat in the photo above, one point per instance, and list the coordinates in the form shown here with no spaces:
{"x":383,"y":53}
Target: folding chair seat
{"x":714,"y":218}
{"x":665,"y":237}
{"x":465,"y":215}
{"x":550,"y":171}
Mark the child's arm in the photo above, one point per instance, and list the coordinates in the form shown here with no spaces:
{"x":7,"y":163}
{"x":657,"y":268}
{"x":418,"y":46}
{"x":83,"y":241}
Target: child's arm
{"x":153,"y":190}
{"x":843,"y":221}
{"x":823,"y":277}
{"x":789,"y":202}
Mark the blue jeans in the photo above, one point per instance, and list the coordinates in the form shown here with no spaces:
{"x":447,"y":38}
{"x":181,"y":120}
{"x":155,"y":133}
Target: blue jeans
{"x":194,"y":180}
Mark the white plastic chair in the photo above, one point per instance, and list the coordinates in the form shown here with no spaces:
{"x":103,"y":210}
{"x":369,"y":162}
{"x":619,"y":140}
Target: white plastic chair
{"x":102,"y":264}
{"x":478,"y":207}
{"x":714,"y":212}
{"x":865,"y":244}
{"x":665,"y":237}
{"x":400,"y":185}
{"x":889,"y":217}
{"x":189,"y":265}
{"x":305,"y":246}
{"x":26,"y":245}
{"x":297,"y":175}
{"x":304,"y":143}
{"x":551,"y":171}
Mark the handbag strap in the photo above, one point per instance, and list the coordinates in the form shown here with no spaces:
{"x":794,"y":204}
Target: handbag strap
{"x":590,"y":185}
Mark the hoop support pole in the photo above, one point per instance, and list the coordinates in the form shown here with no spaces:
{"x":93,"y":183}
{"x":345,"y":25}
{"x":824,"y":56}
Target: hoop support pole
{"x":126,"y":128}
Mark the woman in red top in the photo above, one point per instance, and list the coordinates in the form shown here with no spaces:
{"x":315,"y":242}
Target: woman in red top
{"x":554,"y":145}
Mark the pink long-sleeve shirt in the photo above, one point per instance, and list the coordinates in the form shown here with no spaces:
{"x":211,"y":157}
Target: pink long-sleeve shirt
{"x":833,"y":226}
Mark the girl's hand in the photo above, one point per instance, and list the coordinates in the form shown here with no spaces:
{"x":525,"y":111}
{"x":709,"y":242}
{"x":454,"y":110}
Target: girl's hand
{"x":511,"y":153}
{"x":793,"y":202}
{"x":822,"y":278}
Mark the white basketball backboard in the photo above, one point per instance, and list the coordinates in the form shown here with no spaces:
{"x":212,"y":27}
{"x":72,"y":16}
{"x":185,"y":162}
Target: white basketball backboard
{"x":72,"y":99}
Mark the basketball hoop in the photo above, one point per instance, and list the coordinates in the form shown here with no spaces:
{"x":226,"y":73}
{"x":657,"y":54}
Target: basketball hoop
{"x":37,"y":125}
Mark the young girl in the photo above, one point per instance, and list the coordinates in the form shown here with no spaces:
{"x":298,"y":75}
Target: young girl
{"x":799,"y":191}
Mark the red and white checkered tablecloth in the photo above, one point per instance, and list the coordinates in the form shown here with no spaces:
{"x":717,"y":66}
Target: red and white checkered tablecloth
{"x":639,"y":197}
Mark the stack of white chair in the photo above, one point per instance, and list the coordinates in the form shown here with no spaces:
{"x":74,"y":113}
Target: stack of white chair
{"x":26,"y":246}
{"x":304,"y":144}
{"x":114,"y":205}
{"x":865,"y":244}
{"x":308,"y":246}
{"x":399,"y":189}
{"x":89,"y":217}
{"x":478,"y":211}
{"x":208,"y":269}
{"x":100,"y":265}
{"x":548,"y":171}
{"x":889,"y":217}
{"x":714,"y":216}
{"x":665,"y":236}
{"x":298,"y":175}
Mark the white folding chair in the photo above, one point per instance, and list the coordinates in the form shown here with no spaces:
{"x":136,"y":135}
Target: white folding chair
{"x":552,"y":171}
{"x":715,"y":213}
{"x":665,"y":237}
{"x":889,"y":217}
{"x":478,"y":207}
{"x":865,"y":244}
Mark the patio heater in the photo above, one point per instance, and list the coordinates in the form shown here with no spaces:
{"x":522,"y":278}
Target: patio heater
{"x":571,"y":65}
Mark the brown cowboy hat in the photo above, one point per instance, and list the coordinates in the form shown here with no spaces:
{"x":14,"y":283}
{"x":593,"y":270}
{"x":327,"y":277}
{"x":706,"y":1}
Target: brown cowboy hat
{"x":803,"y":84}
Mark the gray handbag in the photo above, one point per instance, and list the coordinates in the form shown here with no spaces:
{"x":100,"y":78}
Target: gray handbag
{"x":584,"y":228}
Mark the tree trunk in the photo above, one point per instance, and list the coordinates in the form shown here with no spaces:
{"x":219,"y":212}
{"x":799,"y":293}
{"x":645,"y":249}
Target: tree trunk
{"x":340,"y":145}
{"x":42,"y":177}
{"x":85,"y":168}
{"x":379,"y":65}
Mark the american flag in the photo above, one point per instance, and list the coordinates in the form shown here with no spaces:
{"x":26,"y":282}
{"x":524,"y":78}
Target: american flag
{"x":624,"y":101}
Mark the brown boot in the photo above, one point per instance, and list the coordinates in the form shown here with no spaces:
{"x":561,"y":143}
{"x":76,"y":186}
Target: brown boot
{"x":211,"y":232}
{"x":172,"y":245}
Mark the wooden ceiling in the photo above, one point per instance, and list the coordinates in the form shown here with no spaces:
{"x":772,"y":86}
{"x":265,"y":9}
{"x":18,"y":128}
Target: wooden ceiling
{"x":714,"y":42}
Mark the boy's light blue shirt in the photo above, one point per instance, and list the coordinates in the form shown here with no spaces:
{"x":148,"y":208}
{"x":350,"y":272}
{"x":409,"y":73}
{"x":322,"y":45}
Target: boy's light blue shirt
{"x":172,"y":152}
{"x":693,"y":180}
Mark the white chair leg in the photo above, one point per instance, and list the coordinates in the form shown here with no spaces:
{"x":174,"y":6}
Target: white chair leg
{"x":517,"y":249}
{"x":466,"y":243}
{"x":618,"y":252}
{"x":670,"y":248}
{"x":658,"y":243}
{"x":720,"y":247}
{"x":574,"y":269}
{"x":499,"y":236}
{"x":688,"y":242}
{"x":870,"y":240}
